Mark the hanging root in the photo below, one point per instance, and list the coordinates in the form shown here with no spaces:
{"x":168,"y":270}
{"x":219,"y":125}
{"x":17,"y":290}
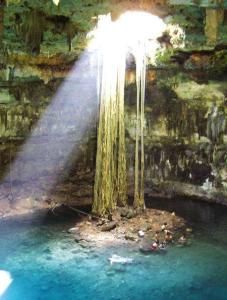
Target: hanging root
{"x":139,"y":147}
{"x":110,"y":177}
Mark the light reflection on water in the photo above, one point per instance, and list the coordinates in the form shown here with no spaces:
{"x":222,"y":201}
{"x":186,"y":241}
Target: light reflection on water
{"x":5,"y":281}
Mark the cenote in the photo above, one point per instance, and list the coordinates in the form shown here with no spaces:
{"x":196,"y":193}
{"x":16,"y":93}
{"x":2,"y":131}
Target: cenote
{"x":113,"y":149}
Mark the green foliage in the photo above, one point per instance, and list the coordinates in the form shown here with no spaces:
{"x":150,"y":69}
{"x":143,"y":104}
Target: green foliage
{"x":13,"y":1}
{"x":190,"y":18}
{"x":163,"y":57}
{"x":220,"y":62}
{"x":172,"y":80}
{"x":70,"y":18}
{"x":195,"y":40}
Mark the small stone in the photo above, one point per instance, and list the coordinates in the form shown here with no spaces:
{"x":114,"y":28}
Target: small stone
{"x":123,"y":212}
{"x":100,"y":222}
{"x":109,"y":226}
{"x":141,"y":233}
{"x":73,"y":230}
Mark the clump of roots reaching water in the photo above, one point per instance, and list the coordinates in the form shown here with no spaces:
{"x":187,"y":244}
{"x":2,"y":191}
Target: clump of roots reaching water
{"x":110,"y":178}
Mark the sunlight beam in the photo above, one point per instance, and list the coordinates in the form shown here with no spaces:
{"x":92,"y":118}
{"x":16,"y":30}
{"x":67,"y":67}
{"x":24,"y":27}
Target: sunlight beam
{"x":73,"y":110}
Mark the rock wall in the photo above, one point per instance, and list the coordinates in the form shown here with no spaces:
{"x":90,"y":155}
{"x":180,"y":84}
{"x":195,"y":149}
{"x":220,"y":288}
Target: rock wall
{"x":47,"y":138}
{"x":185,"y":137}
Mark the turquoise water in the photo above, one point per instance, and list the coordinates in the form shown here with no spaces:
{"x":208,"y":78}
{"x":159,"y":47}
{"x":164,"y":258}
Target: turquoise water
{"x":46,"y":263}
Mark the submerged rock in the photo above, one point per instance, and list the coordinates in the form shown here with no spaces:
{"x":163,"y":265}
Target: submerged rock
{"x":84,"y":244}
{"x":47,"y":251}
{"x":145,"y":247}
{"x":78,"y":238}
{"x":48,"y":257}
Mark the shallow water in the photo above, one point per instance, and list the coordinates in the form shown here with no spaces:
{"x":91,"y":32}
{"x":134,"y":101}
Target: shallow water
{"x":46,"y":263}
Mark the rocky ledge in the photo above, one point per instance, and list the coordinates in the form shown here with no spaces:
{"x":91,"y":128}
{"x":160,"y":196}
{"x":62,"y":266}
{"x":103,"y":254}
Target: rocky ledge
{"x":172,"y":189}
{"x":127,"y":227}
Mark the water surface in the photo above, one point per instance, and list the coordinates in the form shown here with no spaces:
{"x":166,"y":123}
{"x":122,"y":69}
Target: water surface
{"x":46,"y":263}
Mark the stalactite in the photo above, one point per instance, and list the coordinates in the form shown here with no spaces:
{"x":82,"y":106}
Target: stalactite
{"x":2,"y":8}
{"x":32,"y":30}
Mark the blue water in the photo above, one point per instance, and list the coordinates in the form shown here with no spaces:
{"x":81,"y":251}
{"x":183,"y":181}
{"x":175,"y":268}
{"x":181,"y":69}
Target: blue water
{"x":46,"y":263}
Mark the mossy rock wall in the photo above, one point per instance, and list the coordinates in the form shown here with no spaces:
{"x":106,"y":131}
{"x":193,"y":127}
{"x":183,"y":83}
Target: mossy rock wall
{"x":185,"y":132}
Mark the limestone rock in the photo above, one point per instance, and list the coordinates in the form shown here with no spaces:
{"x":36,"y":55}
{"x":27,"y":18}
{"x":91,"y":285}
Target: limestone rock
{"x":109,"y":226}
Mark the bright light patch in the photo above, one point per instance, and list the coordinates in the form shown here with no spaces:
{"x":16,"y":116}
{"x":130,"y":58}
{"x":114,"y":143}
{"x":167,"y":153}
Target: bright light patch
{"x":5,"y":281}
{"x":56,"y":2}
{"x":130,"y":32}
{"x":140,"y":26}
